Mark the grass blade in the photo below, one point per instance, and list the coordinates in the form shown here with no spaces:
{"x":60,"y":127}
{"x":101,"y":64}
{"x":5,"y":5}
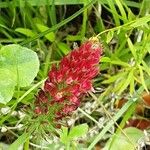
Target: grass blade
{"x":111,"y":123}
{"x":59,"y":24}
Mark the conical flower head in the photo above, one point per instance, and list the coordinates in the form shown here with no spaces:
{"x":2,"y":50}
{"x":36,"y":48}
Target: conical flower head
{"x":69,"y":81}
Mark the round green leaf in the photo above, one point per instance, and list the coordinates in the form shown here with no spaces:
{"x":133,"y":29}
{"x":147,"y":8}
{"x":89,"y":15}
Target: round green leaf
{"x":121,"y":142}
{"x":22,"y":62}
{"x":78,"y":131}
{"x":7,"y":85}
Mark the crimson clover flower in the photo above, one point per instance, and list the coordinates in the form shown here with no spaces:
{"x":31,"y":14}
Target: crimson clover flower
{"x":69,"y":81}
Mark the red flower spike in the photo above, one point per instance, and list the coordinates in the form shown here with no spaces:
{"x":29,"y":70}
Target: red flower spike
{"x":69,"y":81}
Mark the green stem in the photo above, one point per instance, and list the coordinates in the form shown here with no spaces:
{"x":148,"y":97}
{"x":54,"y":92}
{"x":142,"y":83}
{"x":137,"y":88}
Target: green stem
{"x":68,"y":146}
{"x":83,"y":29}
{"x":26,"y":145}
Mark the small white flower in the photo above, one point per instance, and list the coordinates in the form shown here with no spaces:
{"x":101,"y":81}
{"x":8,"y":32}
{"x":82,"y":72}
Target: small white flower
{"x":5,"y":110}
{"x":101,"y":120}
{"x":3,"y":129}
{"x":87,"y":105}
{"x":14,"y":113}
{"x":70,"y":122}
{"x":91,"y":133}
{"x":75,"y":45}
{"x":19,"y":126}
{"x":21,"y":114}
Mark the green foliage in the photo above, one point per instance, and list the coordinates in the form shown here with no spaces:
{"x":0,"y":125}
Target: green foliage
{"x":63,"y":47}
{"x":21,"y":140}
{"x":67,"y":137}
{"x":50,"y":36}
{"x":7,"y":85}
{"x":123,"y":143}
{"x":19,"y":66}
{"x":110,"y":123}
{"x":78,"y":131}
{"x":26,"y":32}
{"x":49,"y":27}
